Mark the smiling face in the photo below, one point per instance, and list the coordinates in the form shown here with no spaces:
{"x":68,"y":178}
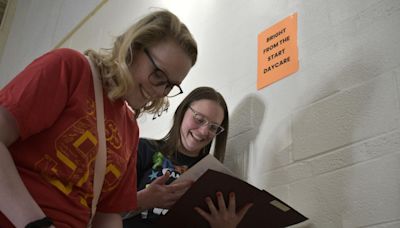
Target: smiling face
{"x":170,"y":58}
{"x":195,"y":136}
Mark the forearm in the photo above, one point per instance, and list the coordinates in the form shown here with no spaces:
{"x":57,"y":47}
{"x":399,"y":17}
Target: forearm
{"x":157,"y":194}
{"x":16,"y":203}
{"x":107,"y":220}
{"x":141,"y":206}
{"x":143,"y":200}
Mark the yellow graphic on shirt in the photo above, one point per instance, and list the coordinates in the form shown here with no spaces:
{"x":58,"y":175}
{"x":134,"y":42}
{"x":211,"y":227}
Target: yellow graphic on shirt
{"x":70,"y":169}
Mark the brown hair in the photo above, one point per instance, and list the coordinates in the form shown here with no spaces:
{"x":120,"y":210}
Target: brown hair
{"x":172,"y":141}
{"x":114,"y":63}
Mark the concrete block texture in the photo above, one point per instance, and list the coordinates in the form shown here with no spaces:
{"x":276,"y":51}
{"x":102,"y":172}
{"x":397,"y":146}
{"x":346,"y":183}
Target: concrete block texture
{"x":355,"y":153}
{"x":395,"y":224}
{"x":358,"y":196}
{"x":358,"y":113}
{"x":397,"y":73}
{"x":237,"y":154}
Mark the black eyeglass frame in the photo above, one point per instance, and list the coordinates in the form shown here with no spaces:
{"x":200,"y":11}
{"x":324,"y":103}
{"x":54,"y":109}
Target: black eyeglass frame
{"x":208,"y":122}
{"x":168,"y":84}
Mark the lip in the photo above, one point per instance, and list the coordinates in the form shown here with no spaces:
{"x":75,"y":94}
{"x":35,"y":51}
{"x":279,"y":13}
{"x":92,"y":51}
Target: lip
{"x":195,"y":137}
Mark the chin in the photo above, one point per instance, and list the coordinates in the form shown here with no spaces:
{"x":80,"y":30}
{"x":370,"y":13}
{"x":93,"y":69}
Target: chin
{"x":135,"y":105}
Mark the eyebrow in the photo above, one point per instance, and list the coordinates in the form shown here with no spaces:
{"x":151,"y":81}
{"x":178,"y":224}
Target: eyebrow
{"x":156,"y":62}
{"x":207,"y":117}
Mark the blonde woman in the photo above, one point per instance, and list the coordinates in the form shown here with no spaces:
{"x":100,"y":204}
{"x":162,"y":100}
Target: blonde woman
{"x":48,"y":133}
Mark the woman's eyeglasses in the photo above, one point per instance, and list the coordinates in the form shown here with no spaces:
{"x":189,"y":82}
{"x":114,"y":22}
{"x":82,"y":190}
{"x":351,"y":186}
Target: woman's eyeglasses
{"x":160,"y":78}
{"x":200,"y":120}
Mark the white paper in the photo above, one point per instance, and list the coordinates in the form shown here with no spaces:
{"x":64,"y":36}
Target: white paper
{"x":208,"y":162}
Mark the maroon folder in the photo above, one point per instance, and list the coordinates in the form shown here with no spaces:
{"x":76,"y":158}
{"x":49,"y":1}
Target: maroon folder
{"x":267,"y":211}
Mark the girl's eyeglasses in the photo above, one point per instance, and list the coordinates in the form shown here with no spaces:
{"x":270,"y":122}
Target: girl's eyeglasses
{"x":200,"y":120}
{"x":160,"y":78}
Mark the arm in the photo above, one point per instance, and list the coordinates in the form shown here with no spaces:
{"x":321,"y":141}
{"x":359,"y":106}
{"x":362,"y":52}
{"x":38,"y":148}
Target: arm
{"x":224,"y":217}
{"x":157,"y":194}
{"x":107,"y":220}
{"x":15,"y":201}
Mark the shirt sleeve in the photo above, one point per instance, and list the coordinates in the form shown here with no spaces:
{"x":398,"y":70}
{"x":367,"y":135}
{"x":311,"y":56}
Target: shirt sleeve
{"x":37,"y":95}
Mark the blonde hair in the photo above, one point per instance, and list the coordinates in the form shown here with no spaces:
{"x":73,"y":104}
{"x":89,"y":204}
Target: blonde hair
{"x":114,"y":63}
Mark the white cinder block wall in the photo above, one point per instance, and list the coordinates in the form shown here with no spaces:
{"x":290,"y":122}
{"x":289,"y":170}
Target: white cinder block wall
{"x":325,"y":139}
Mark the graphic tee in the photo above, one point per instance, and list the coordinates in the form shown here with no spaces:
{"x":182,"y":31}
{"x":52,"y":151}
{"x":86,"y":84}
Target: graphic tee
{"x":151,"y":164}
{"x":52,"y":101}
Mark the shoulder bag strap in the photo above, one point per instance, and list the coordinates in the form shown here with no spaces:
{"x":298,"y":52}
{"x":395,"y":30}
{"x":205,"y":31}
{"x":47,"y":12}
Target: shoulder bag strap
{"x":101,"y":156}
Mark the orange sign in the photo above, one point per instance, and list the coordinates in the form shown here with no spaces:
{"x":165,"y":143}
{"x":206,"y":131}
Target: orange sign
{"x":277,"y":52}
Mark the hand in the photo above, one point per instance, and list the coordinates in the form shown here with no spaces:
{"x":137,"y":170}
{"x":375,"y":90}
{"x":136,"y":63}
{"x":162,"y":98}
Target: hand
{"x":223,"y":217}
{"x":105,"y":220}
{"x":160,"y":195}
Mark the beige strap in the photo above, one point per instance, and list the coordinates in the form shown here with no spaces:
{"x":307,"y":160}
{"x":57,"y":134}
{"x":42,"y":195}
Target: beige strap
{"x":101,"y":157}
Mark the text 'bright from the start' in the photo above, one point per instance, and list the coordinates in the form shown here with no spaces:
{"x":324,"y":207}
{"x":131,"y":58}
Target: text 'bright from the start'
{"x":277,"y":51}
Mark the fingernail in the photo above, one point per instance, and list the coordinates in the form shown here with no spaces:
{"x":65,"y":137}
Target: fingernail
{"x":219,"y":194}
{"x":231,"y":194}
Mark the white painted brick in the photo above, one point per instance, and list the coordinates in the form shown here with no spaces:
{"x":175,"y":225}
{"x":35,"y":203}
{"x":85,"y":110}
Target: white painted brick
{"x":387,"y":225}
{"x":305,"y":197}
{"x":336,"y":159}
{"x":397,"y":75}
{"x":246,"y":116}
{"x":273,"y":157}
{"x":355,"y":153}
{"x":340,"y":10}
{"x":350,"y":116}
{"x":272,"y":147}
{"x":333,"y":54}
{"x":382,"y":145}
{"x":379,"y":36}
{"x":361,"y":195}
{"x":286,"y":175}
{"x":281,"y":192}
{"x":312,"y":23}
{"x":383,"y":11}
{"x":237,"y":154}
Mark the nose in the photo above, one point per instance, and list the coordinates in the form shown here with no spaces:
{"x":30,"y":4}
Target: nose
{"x":204,"y":130}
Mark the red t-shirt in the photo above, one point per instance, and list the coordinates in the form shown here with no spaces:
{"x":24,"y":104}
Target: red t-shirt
{"x":52,"y":101}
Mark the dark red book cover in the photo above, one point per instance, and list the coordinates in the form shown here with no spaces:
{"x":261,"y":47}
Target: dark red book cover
{"x":267,"y":211}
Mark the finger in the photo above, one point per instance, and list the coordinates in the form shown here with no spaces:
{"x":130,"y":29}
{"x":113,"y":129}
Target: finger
{"x":203,"y":214}
{"x":221,"y":201}
{"x":242,"y":212}
{"x":211,"y":205}
{"x":181,"y":186}
{"x":162,"y":179}
{"x":232,"y":202}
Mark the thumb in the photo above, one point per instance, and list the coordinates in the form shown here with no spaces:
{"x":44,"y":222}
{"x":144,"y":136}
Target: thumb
{"x":162,"y":179}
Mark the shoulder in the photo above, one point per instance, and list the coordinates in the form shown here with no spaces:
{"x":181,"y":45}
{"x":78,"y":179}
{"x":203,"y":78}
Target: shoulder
{"x":67,"y":53}
{"x":68,"y":64}
{"x":147,"y":144}
{"x":61,"y":57}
